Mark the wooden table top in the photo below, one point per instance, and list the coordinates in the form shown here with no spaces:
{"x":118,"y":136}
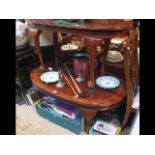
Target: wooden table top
{"x":101,"y":99}
{"x":119,"y":29}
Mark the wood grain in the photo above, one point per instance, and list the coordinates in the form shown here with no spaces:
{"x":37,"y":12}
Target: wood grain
{"x":101,"y":99}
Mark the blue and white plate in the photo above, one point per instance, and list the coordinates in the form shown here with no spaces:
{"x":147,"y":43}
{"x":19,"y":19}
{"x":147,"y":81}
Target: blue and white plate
{"x":50,"y":77}
{"x":107,"y":82}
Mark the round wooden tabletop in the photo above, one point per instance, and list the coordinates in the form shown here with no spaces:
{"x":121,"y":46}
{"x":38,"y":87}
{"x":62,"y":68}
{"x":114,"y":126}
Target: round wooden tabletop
{"x":101,"y":99}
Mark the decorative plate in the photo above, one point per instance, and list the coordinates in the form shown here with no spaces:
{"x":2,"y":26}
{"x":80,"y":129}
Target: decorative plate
{"x":107,"y":82}
{"x":50,"y":77}
{"x":117,"y":40}
{"x":69,"y":47}
{"x":114,"y":56}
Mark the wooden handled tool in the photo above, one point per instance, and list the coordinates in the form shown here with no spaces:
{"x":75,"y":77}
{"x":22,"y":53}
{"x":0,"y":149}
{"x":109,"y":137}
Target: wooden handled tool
{"x":73,"y":80}
{"x":73,"y":89}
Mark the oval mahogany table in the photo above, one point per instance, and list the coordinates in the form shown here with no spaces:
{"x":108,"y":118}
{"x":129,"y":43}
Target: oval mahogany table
{"x":89,"y":103}
{"x":93,"y":34}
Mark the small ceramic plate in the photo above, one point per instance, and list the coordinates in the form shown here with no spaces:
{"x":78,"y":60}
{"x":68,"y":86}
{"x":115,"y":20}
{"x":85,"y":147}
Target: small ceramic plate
{"x":114,"y":56}
{"x":50,"y":77}
{"x":69,"y":47}
{"x":107,"y":82}
{"x":117,"y":40}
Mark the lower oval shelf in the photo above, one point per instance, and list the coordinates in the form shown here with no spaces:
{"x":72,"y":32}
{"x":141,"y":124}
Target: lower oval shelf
{"x":101,"y":99}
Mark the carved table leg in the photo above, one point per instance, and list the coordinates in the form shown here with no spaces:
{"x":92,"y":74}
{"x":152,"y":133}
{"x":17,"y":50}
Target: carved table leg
{"x":106,"y":49}
{"x":88,"y":115}
{"x":92,"y":44}
{"x":35,"y":34}
{"x":134,"y":58}
{"x":128,"y":87}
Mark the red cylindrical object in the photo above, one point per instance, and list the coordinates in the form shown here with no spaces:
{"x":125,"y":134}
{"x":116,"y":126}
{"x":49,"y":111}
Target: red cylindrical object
{"x":81,"y":65}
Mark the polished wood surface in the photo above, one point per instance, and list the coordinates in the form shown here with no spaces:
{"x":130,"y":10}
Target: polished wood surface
{"x":111,"y":26}
{"x":101,"y":99}
{"x":87,"y":28}
{"x":129,"y":85}
{"x":88,"y":115}
{"x":92,"y":44}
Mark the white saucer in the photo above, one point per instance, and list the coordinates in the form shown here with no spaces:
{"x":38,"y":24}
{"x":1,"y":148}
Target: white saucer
{"x":114,"y":56}
{"x":117,"y":40}
{"x":50,"y":77}
{"x":107,"y":82}
{"x":69,"y":47}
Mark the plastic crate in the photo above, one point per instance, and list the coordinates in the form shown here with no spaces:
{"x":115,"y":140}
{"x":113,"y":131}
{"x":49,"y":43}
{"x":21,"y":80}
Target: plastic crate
{"x":53,"y":116}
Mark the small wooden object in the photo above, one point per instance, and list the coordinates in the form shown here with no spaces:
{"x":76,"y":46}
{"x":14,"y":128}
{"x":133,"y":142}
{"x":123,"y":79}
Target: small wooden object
{"x":73,"y":80}
{"x":69,"y":83}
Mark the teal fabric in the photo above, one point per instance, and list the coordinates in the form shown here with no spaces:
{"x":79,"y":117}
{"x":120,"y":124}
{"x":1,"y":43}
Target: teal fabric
{"x":64,"y":22}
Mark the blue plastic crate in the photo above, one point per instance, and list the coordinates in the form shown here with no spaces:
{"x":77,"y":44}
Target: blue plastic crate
{"x":53,"y":116}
